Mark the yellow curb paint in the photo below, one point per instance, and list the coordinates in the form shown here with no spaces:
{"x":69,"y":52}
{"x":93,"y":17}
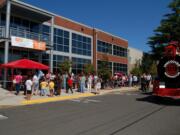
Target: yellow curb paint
{"x":52,"y":99}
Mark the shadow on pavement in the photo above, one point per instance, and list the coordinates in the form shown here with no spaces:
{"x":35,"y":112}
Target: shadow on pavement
{"x":159,"y":100}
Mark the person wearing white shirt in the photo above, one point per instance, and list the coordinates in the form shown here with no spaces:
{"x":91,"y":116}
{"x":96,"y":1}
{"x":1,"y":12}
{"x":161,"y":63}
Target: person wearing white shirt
{"x":89,"y":83}
{"x":35,"y":87}
{"x":29,"y":84}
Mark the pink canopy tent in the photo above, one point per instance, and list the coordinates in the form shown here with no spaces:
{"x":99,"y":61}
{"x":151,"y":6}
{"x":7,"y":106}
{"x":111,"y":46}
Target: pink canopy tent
{"x":119,"y":74}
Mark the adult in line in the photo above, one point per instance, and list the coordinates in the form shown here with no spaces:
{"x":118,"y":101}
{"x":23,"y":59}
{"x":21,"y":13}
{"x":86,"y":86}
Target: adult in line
{"x":18,"y":80}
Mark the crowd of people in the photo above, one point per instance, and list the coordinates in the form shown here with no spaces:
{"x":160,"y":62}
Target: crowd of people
{"x":38,"y":83}
{"x":51,"y":84}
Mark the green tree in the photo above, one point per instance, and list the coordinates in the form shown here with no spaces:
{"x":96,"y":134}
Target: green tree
{"x":153,"y":69}
{"x":147,"y":61}
{"x":89,"y":68}
{"x":169,"y":30}
{"x":65,"y":66}
{"x":137,"y":70}
{"x":104,"y":71}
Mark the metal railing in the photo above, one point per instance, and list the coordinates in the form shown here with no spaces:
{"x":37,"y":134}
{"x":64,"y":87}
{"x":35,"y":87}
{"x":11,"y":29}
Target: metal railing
{"x":20,"y":32}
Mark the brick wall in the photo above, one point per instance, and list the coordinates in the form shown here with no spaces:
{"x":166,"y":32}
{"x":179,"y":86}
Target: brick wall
{"x":73,"y":26}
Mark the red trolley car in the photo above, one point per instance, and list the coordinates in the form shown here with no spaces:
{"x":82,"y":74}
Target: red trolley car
{"x":168,"y":82}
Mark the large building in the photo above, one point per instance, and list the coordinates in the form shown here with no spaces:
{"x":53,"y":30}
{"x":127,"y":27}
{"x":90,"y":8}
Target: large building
{"x":29,"y":32}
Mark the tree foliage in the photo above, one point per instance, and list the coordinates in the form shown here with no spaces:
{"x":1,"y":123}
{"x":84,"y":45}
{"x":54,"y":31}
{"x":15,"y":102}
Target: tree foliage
{"x":137,"y":70}
{"x":147,"y":65}
{"x":89,"y":68}
{"x":104,"y":71}
{"x":169,"y":30}
{"x":65,"y":66}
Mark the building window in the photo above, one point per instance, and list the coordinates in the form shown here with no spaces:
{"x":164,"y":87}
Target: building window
{"x":104,"y":47}
{"x":61,"y":40}
{"x":78,"y":64}
{"x":81,"y":45}
{"x":118,"y":67}
{"x":45,"y":58}
{"x":119,"y":51}
{"x":57,"y":60}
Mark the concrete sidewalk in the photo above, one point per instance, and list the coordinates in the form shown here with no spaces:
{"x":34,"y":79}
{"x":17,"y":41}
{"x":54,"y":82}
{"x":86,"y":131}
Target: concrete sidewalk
{"x":8,"y":98}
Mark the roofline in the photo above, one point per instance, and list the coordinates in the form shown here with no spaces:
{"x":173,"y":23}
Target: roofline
{"x":111,"y":34}
{"x":31,"y":6}
{"x":56,"y":15}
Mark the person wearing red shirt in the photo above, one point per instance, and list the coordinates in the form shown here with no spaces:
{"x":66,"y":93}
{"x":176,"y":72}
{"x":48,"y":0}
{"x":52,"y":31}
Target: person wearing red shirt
{"x":70,"y":84}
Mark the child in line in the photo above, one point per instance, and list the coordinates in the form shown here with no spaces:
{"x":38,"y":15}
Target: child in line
{"x":51,"y":87}
{"x":43,"y":85}
{"x":28,"y":84}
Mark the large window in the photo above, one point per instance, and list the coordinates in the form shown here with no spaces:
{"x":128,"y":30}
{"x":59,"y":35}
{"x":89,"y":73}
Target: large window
{"x":78,"y":64}
{"x":61,"y":40}
{"x":81,"y":45}
{"x":45,"y":58}
{"x":58,"y":59}
{"x":119,"y":51}
{"x":104,"y":47}
{"x":118,"y":67}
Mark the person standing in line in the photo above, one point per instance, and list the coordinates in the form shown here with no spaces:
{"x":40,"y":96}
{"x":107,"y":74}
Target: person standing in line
{"x":51,"y":88}
{"x":18,"y":80}
{"x":135,"y":79}
{"x":43,"y":85}
{"x":70,"y":84}
{"x":82,"y":83}
{"x":28,"y":84}
{"x":35,"y":87}
{"x":64,"y":80}
{"x":98,"y":85}
{"x":148,"y":80}
{"x":130,"y":80}
{"x":58,"y":84}
{"x":95,"y":83}
{"x":89,"y":82}
{"x":143,"y":82}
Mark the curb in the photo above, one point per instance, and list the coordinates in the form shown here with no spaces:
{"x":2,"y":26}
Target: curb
{"x":53,"y":99}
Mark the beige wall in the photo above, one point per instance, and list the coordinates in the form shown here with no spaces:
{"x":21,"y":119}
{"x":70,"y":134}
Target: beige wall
{"x":133,"y":56}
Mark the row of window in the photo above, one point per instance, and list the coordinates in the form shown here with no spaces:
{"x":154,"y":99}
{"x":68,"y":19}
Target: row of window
{"x":80,"y":44}
{"x":117,"y":67}
{"x":107,"y":48}
{"x":104,"y":47}
{"x":78,"y":64}
{"x":119,"y":51}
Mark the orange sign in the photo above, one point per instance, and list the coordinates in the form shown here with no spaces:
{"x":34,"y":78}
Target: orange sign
{"x":39,"y":45}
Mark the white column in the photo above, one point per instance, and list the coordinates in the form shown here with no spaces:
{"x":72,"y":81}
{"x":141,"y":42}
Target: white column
{"x":6,"y":48}
{"x":52,"y":44}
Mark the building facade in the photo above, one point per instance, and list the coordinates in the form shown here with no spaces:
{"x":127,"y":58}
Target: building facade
{"x":29,"y":32}
{"x":134,"y":57}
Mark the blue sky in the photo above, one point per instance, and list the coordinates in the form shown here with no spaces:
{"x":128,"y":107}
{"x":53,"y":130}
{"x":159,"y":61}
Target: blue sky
{"x":133,"y":20}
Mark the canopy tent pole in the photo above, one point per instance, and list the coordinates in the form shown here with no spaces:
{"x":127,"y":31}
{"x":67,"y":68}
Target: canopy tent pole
{"x":12,"y":84}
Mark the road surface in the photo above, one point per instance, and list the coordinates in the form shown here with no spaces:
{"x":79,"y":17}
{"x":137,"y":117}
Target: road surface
{"x":130,"y":113}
